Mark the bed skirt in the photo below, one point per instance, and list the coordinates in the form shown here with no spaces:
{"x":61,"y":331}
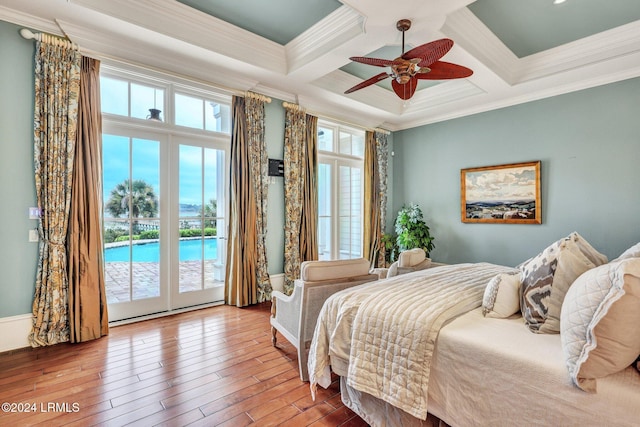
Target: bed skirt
{"x":375,"y":411}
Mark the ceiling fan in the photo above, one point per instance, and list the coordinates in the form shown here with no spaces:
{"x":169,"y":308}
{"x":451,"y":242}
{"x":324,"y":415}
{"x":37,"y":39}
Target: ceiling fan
{"x":420,"y":63}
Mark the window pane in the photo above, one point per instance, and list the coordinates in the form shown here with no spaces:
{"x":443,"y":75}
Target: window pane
{"x":345,"y":143}
{"x":325,"y":139}
{"x":114,"y":96}
{"x":190,"y":181}
{"x":217,"y":117}
{"x":357,"y":145}
{"x":115,"y":161}
{"x":189,"y":111}
{"x":145,"y":169}
{"x":143,"y":98}
{"x":324,"y":189}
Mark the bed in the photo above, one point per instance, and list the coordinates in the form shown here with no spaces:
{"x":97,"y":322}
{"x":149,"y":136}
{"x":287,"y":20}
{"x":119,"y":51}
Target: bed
{"x":419,"y":347}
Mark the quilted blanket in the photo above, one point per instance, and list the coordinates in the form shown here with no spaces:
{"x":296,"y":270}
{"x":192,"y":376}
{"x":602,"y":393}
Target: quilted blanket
{"x":387,"y":330}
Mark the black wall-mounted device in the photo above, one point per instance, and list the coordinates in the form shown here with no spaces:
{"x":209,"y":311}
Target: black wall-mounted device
{"x":276,"y":167}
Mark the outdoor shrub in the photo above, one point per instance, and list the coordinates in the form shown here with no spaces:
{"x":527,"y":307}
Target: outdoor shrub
{"x":150,"y":234}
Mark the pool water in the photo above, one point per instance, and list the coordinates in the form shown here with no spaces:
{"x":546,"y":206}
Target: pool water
{"x":190,"y":250}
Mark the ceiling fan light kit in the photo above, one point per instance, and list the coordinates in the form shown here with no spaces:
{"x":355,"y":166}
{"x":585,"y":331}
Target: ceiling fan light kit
{"x":420,"y":63}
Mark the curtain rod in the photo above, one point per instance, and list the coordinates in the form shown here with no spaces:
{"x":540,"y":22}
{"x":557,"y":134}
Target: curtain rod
{"x":47,"y":38}
{"x":258,"y":96}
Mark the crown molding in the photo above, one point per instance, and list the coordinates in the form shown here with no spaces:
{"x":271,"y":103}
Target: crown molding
{"x":188,"y":62}
{"x":600,"y":47}
{"x":33,"y":22}
{"x":466,"y":30}
{"x":336,"y":29}
{"x":182,"y":22}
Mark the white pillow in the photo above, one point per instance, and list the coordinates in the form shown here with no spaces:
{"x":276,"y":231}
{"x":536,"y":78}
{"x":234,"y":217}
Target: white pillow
{"x":599,"y":322}
{"x":632,"y":252}
{"x":502,"y":296}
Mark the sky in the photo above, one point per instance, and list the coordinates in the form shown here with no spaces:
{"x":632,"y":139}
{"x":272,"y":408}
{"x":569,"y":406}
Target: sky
{"x":506,"y":184}
{"x":144,"y":154}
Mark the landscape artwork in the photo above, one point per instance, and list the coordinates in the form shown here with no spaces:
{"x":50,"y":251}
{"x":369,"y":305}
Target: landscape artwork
{"x":501,"y":194}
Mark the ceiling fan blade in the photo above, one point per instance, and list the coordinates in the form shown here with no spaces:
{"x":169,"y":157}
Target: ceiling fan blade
{"x":441,"y":70}
{"x":372,"y":61}
{"x":429,"y":52}
{"x":405,"y":91}
{"x":368,"y":82}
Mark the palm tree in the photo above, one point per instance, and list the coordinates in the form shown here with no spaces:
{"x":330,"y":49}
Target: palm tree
{"x":210,"y":211}
{"x":137,"y":196}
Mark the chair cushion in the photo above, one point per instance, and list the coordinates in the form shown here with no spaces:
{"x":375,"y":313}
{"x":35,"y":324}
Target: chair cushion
{"x":411,"y":257}
{"x":312,"y":271}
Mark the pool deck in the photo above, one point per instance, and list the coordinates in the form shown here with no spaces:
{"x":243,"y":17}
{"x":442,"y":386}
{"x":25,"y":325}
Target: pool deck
{"x":146,"y":283}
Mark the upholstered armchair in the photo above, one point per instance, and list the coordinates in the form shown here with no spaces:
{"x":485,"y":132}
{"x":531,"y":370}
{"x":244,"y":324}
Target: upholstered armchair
{"x":295,"y":315}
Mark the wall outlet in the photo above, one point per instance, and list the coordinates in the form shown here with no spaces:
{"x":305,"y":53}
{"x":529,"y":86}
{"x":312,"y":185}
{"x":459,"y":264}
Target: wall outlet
{"x":33,"y":235}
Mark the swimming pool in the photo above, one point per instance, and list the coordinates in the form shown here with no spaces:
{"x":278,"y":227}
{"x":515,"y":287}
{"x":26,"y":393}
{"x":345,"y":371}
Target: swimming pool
{"x":190,"y":250}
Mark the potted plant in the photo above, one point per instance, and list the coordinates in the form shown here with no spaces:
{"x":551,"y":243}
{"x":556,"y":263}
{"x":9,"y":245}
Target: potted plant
{"x":412,"y":231}
{"x":390,"y":248}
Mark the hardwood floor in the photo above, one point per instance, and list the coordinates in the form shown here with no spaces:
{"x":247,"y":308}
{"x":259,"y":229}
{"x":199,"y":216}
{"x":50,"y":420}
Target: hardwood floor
{"x":214,"y":366}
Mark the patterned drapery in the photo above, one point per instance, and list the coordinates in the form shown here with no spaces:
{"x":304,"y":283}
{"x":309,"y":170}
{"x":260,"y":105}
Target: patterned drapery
{"x":57,"y":87}
{"x":88,"y":318}
{"x":300,"y":193}
{"x":375,"y":196}
{"x":259,"y":162}
{"x":382,"y":152}
{"x":241,"y":287}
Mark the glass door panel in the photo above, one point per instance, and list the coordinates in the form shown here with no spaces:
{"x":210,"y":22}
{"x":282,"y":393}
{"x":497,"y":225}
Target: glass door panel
{"x":131,"y":210}
{"x":201,"y":252}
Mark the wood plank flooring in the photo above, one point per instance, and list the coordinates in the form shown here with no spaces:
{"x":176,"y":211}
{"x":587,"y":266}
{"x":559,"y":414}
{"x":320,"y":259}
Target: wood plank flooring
{"x":208,"y":367}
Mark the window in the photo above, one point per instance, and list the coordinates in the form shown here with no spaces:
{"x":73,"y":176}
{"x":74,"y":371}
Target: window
{"x":340,"y":191}
{"x":165,"y":163}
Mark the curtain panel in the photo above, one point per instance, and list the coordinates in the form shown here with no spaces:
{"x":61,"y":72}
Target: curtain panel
{"x":375,"y":196}
{"x":88,"y":318}
{"x":259,"y":164}
{"x":300,"y":192}
{"x":241,"y":287}
{"x":57,"y":87}
{"x":372,"y":225}
{"x":309,"y":223}
{"x":382,"y":153}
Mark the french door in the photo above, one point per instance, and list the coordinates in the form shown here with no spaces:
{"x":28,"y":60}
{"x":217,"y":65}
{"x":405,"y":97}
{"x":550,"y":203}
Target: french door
{"x":163,"y":209}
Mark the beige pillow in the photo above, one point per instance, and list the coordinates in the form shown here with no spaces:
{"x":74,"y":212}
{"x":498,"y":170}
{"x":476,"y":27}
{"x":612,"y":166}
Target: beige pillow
{"x":502,"y":296}
{"x":599,"y":322}
{"x":546,"y":279}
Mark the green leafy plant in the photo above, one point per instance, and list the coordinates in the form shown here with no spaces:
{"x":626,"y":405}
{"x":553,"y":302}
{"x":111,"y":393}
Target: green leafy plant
{"x":412,"y":231}
{"x":390,"y":248}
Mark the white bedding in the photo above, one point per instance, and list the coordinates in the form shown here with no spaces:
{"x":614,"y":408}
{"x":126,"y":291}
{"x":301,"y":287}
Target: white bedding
{"x":495,"y":372}
{"x":382,"y":335}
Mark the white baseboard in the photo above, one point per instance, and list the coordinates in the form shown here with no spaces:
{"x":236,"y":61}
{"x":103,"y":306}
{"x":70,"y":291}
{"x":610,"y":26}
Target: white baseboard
{"x":14,"y":331}
{"x":277,"y":282}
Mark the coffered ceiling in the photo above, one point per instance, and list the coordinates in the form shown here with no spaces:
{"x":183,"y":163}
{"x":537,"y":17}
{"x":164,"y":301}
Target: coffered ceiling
{"x":298,"y":50}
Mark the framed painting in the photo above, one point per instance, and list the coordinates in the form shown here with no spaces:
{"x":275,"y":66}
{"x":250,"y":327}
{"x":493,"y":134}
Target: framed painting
{"x":508,"y":194}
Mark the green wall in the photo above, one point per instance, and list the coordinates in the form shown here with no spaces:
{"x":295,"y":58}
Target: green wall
{"x":589,"y":145}
{"x":274,"y":136}
{"x":18,"y":257}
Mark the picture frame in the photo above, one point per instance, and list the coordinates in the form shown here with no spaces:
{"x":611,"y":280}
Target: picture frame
{"x":506,"y":194}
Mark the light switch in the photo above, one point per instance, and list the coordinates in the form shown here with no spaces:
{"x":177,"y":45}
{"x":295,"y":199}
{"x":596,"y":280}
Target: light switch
{"x":34,"y":213}
{"x":33,"y":235}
